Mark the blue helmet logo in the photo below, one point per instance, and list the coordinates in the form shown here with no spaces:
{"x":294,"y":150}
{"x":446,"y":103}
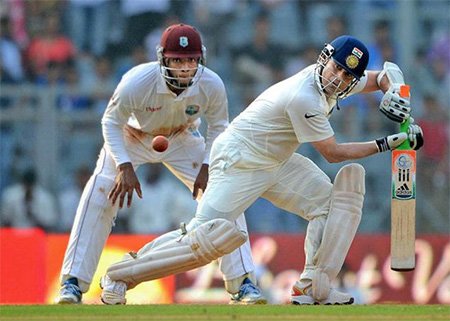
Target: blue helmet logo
{"x":351,"y":54}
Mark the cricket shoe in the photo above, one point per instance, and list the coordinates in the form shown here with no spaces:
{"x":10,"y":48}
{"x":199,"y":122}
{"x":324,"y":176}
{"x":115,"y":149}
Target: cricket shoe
{"x":248,"y":294}
{"x":303,"y":296}
{"x":113,"y":292}
{"x":70,"y":292}
{"x":337,"y":297}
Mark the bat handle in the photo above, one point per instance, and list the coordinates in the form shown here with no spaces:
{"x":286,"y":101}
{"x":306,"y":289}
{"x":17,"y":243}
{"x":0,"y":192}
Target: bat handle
{"x":404,"y":92}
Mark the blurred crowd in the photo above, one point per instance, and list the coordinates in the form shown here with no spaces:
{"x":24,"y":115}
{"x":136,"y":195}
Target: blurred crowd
{"x":79,"y":49}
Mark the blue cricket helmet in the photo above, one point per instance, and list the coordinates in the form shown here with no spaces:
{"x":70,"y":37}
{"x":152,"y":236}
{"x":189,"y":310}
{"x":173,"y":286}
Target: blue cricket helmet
{"x":351,"y":54}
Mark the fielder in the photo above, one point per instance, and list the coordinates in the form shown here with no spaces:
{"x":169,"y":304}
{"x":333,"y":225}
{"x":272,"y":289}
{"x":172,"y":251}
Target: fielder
{"x":166,"y":97}
{"x":255,"y":156}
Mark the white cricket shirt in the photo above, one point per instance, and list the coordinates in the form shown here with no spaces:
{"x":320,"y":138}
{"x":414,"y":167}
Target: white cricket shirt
{"x":287,"y":114}
{"x":143,"y":100}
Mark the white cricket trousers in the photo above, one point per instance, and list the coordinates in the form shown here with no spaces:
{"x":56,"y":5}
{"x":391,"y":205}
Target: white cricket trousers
{"x":238,"y":176}
{"x":95,"y":214}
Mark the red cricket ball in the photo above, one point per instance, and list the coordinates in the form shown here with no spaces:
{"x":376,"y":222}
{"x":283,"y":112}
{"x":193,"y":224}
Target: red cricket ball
{"x":160,"y":143}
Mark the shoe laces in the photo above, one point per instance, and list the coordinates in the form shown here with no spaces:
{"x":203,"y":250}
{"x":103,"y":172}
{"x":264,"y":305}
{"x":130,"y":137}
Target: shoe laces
{"x":119,"y":288}
{"x":74,"y":289}
{"x":116,"y":287}
{"x":247,"y":287}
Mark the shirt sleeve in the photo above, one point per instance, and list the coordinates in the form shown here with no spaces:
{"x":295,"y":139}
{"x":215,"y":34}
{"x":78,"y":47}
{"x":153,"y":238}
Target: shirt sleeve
{"x":114,"y":119}
{"x":216,"y":116}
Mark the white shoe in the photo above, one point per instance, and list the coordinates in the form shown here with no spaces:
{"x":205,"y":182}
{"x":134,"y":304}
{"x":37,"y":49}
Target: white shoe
{"x":304,"y":296}
{"x":113,"y":291}
{"x":337,"y":297}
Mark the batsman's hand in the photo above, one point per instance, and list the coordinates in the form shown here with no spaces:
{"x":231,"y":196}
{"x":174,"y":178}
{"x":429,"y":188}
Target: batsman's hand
{"x":415,"y":136}
{"x":201,"y":181}
{"x":394,"y":106}
{"x":391,"y":142}
{"x":125,"y":183}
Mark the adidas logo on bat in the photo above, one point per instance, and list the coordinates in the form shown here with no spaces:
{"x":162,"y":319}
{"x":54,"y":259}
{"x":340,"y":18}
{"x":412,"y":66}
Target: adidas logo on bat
{"x":403,"y":191}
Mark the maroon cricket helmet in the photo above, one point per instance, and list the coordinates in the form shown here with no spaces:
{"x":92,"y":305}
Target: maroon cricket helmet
{"x":181,"y":41}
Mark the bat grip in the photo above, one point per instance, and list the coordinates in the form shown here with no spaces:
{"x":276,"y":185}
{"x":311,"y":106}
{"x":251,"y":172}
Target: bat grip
{"x":404,"y":92}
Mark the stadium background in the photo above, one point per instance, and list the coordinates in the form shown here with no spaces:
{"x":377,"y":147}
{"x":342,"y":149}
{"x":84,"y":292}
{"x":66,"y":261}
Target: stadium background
{"x":50,"y":110}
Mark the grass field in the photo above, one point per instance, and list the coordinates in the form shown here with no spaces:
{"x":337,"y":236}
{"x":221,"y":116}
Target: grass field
{"x":225,"y":312}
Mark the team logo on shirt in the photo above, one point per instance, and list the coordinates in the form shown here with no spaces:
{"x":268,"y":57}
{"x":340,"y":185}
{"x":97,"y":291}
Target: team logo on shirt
{"x":184,"y":42}
{"x":192,"y":109}
{"x":153,"y":108}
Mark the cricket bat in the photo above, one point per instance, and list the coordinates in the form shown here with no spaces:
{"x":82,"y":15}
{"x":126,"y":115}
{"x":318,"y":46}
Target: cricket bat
{"x":403,"y":202}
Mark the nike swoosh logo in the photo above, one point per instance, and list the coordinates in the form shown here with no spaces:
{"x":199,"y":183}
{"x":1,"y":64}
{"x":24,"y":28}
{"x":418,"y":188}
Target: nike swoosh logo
{"x":307,"y":115}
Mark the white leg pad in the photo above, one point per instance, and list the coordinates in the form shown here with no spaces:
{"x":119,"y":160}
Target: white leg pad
{"x":199,"y":247}
{"x":320,"y":285}
{"x":340,"y":228}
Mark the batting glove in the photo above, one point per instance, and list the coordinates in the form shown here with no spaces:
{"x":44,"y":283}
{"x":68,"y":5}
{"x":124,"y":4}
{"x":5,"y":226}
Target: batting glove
{"x":414,"y":136}
{"x":395,"y":108}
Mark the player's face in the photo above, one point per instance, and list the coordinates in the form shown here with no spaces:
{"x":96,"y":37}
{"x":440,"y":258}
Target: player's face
{"x":335,"y":78}
{"x":182,"y":69}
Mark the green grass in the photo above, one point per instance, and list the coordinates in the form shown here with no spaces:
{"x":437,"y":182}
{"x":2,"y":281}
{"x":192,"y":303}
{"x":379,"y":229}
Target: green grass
{"x":225,"y":312}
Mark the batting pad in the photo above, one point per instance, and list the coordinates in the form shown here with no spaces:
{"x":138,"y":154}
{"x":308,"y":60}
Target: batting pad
{"x":340,"y":228}
{"x":199,"y":247}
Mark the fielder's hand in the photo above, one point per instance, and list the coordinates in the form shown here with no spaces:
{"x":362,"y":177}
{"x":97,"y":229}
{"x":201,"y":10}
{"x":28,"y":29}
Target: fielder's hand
{"x":125,"y":184}
{"x":414,"y":135}
{"x":201,"y":181}
{"x":395,"y":108}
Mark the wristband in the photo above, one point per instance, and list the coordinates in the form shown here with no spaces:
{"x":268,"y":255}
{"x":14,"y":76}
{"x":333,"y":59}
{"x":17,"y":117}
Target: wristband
{"x":382,"y":144}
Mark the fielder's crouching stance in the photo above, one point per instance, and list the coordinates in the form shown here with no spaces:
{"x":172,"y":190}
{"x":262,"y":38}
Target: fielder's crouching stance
{"x":167,"y":97}
{"x":255,"y":157}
